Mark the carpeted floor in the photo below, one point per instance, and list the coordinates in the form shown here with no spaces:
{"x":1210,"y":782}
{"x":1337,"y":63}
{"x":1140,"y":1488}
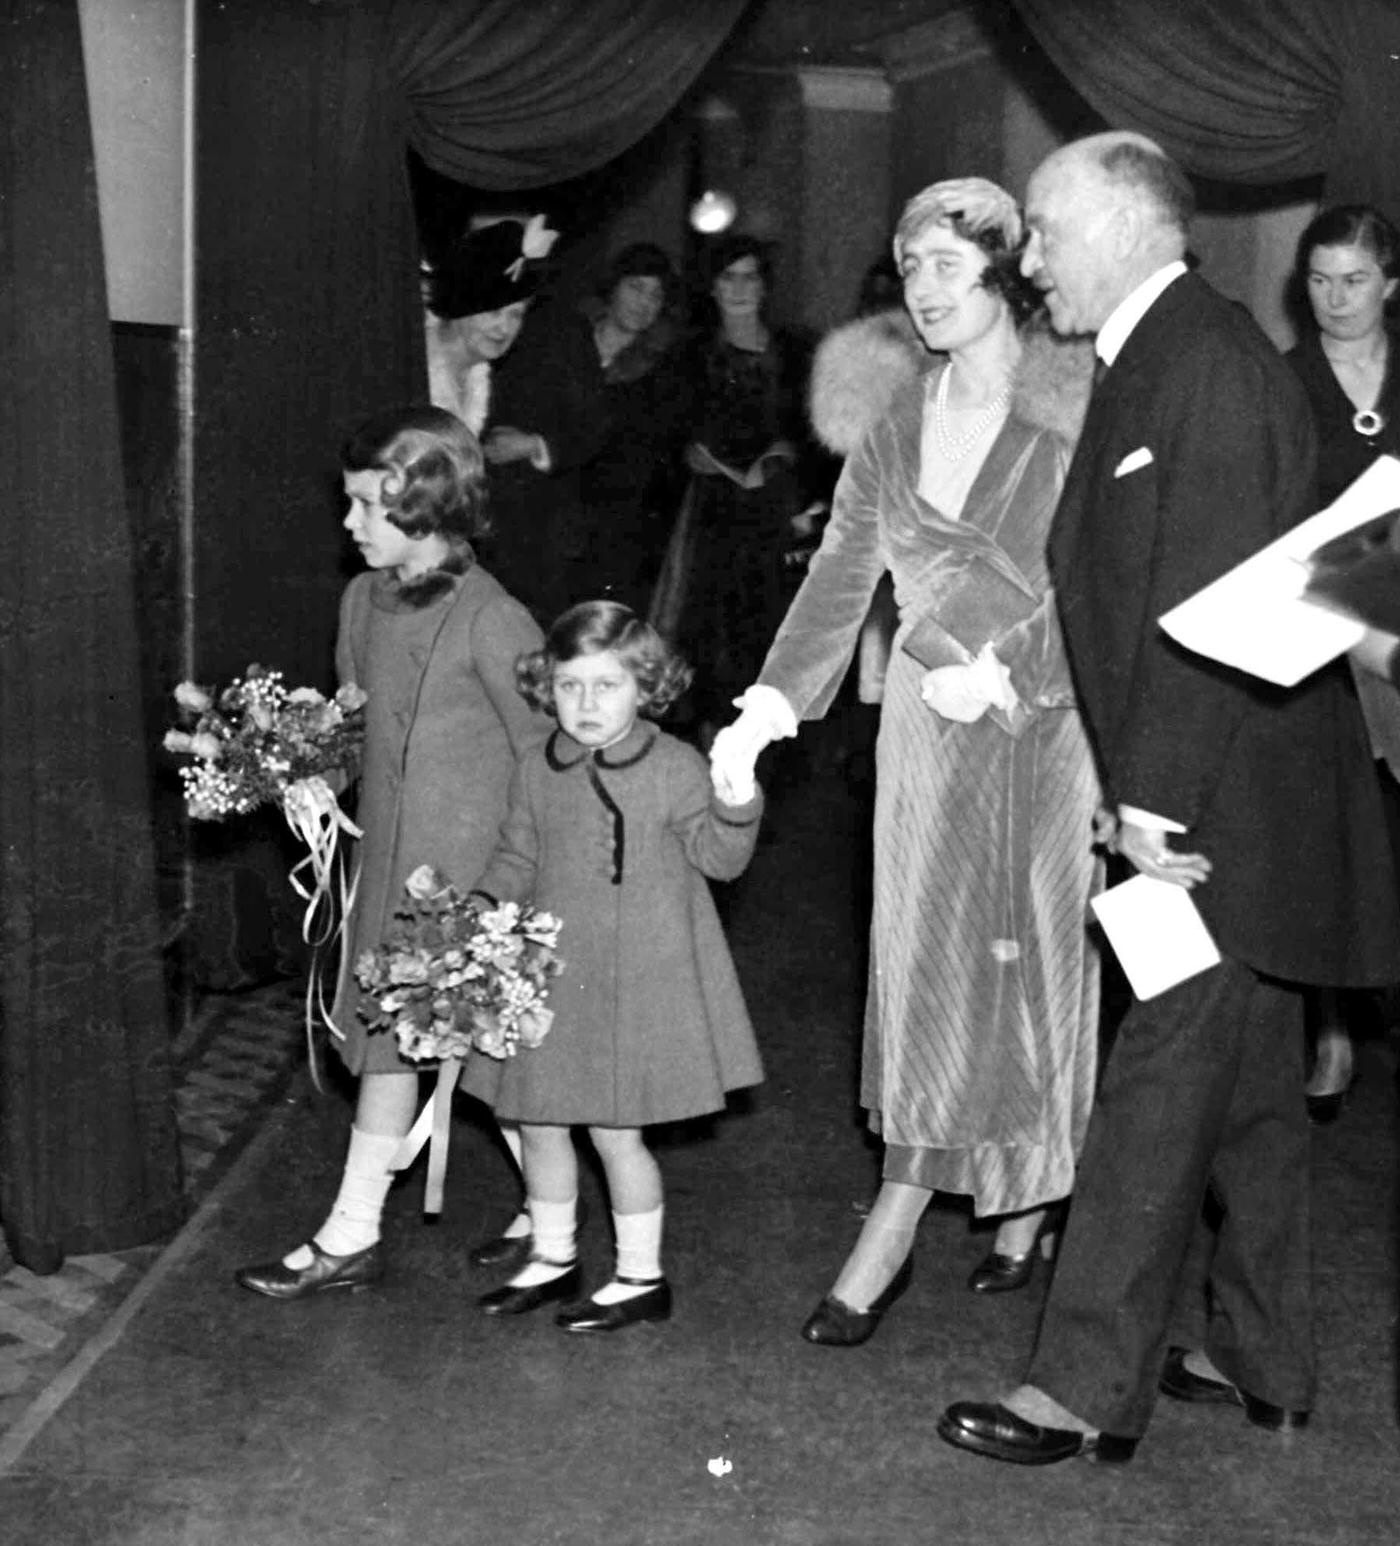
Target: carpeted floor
{"x":404,"y":1415}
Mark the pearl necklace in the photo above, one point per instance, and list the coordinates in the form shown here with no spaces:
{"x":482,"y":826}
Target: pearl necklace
{"x":954,"y":447}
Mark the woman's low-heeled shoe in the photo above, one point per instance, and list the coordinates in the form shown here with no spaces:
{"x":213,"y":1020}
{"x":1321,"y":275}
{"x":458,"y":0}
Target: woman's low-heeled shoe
{"x":360,"y":1269}
{"x":835,"y":1324}
{"x":589,"y":1315}
{"x":510,"y":1300}
{"x":999,"y":1273}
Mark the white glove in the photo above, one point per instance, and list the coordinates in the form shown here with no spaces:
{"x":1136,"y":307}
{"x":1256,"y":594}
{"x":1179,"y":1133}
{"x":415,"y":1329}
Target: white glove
{"x":965,"y":693}
{"x":765,"y":716}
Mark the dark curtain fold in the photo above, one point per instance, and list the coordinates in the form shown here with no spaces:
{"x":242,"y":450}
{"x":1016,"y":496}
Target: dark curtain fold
{"x":1254,"y":91}
{"x":507,"y":96}
{"x":89,"y":1156}
{"x":308,"y":311}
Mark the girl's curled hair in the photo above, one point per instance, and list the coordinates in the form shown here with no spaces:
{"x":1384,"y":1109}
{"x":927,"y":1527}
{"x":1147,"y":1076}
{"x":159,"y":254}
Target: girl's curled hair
{"x":591,"y":628}
{"x":436,"y":478}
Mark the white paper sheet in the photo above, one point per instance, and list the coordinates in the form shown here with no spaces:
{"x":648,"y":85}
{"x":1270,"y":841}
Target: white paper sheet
{"x":1256,"y":618}
{"x":1156,"y":932}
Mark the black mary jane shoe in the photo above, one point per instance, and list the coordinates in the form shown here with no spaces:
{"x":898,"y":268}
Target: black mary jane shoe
{"x":1183,"y":1384}
{"x":276,"y":1280}
{"x":512,"y":1300}
{"x":510,"y":1252}
{"x":835,"y":1324}
{"x":988,"y":1428}
{"x":588,"y":1315}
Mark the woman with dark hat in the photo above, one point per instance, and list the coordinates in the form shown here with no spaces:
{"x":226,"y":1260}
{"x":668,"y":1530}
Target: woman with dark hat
{"x":725,"y":584}
{"x":631,"y":487}
{"x":528,"y":382}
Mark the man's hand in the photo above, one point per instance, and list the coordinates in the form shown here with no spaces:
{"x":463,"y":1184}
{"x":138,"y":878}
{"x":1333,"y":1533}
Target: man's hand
{"x":1147,"y":850}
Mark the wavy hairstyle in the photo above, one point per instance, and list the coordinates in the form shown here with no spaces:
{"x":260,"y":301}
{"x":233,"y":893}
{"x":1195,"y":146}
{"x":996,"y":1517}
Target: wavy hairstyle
{"x":435,"y":481}
{"x":1002,"y":247}
{"x":591,"y":628}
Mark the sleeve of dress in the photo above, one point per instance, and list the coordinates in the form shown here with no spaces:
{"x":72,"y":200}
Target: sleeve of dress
{"x":718,"y":839}
{"x":814,"y":645}
{"x":502,"y":631}
{"x":510,"y":875}
{"x":346,"y":669}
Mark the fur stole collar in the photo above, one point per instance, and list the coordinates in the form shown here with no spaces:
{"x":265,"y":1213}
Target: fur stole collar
{"x":863,"y":367}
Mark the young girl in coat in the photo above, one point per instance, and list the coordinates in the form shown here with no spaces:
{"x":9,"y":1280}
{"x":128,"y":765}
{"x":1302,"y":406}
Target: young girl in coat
{"x":613,"y":828}
{"x":433,"y":641}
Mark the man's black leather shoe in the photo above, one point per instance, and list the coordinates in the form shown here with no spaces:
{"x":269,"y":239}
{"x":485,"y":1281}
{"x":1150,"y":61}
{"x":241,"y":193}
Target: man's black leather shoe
{"x":991,"y":1429}
{"x":1182,"y":1384}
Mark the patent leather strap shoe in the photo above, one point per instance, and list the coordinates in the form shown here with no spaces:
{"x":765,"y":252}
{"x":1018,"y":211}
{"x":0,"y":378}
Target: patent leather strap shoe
{"x":990,"y":1429}
{"x":835,"y":1324}
{"x":508,"y":1251}
{"x":510,"y":1300}
{"x":589,"y":1315}
{"x":360,"y":1269}
{"x":1323,"y":1110}
{"x":1183,"y":1384}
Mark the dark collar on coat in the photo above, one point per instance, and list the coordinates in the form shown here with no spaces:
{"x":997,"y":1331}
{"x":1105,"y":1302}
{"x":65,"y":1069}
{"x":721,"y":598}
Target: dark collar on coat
{"x":562,"y":752}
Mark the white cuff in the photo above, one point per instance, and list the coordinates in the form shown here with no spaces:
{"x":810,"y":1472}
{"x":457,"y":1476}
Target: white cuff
{"x":768,"y":705}
{"x":1147,"y":819}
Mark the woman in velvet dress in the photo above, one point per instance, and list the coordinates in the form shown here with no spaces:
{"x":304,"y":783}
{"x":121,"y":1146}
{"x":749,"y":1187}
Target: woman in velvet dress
{"x":1349,"y":268}
{"x":725,"y":585}
{"x":981,"y":1017}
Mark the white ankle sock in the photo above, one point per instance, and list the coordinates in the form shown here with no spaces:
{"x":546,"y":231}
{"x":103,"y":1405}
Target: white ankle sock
{"x":638,"y":1255}
{"x":520,"y":1226}
{"x":553,"y":1225}
{"x":353,"y":1224}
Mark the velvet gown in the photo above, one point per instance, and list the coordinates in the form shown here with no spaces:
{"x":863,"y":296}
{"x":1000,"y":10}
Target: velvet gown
{"x":981,"y":1015}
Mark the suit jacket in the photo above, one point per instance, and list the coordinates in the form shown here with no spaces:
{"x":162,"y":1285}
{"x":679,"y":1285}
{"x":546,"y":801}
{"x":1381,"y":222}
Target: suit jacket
{"x":1197,"y":451}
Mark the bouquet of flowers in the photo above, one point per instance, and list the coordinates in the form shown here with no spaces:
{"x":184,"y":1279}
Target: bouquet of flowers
{"x":455,"y":973}
{"x":257,"y":739}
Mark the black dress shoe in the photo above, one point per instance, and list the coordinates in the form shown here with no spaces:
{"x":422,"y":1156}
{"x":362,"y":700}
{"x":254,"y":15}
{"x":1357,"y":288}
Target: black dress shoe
{"x":589,"y":1315}
{"x":508,"y":1251}
{"x":835,"y":1324}
{"x":510,"y":1300}
{"x":1183,"y":1384}
{"x":360,"y":1269}
{"x":990,"y":1429}
{"x":998,"y":1273}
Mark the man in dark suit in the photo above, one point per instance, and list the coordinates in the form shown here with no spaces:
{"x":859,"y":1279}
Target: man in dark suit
{"x":1197,"y":451}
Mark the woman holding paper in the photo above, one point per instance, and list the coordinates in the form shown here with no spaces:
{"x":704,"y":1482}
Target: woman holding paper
{"x":1349,"y":268}
{"x":981,"y":1018}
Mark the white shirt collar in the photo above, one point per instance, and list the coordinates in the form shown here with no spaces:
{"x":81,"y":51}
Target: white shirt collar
{"x":1131,"y":310}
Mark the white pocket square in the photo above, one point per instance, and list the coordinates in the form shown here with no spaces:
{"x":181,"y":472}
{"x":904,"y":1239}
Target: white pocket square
{"x":1142,"y":457}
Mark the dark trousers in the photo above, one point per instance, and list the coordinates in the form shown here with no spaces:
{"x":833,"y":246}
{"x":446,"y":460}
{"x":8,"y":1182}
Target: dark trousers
{"x":1203,"y":1092}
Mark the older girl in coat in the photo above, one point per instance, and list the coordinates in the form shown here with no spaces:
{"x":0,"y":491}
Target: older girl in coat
{"x":981,"y":1016}
{"x":433,"y":640}
{"x":614,"y":829}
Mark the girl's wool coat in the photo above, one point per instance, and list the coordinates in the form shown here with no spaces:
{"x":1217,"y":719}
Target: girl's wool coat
{"x":444,"y":724}
{"x":650,"y":1023}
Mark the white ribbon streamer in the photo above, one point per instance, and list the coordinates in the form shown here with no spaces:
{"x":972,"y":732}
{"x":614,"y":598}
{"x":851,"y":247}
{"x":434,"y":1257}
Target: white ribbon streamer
{"x":314,"y":814}
{"x":433,"y":1128}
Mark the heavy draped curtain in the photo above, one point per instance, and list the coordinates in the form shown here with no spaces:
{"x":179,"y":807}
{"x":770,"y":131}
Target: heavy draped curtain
{"x":89,"y":1158}
{"x":1249,"y":91}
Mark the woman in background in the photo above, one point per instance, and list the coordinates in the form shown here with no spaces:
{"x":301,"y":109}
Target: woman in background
{"x":631,"y":487}
{"x":1349,"y":268}
{"x":754,"y":471}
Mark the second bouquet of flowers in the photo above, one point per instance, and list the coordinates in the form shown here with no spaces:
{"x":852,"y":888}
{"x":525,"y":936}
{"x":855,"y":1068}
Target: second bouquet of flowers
{"x":456,"y":973}
{"x":453,"y":974}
